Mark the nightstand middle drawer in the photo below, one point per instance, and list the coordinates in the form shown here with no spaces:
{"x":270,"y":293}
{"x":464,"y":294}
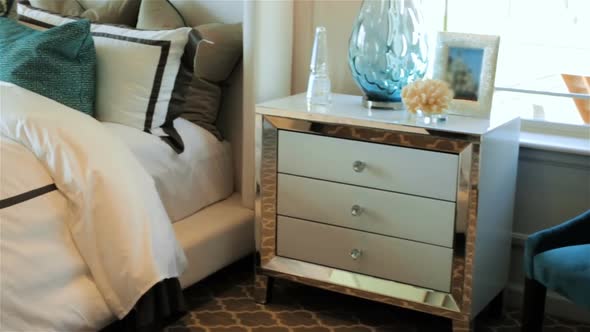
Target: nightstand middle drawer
{"x":394,"y":168}
{"x":404,"y":216}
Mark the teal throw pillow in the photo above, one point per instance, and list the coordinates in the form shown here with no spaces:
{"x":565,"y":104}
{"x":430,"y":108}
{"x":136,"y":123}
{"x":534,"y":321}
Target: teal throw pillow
{"x":59,"y":63}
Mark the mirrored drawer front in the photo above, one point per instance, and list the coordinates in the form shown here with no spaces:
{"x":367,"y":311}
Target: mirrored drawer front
{"x":404,"y":216}
{"x":376,"y":255}
{"x":405,"y":170}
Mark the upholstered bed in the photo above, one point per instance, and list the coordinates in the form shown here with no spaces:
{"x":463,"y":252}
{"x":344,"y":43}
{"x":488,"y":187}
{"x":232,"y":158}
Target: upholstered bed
{"x":96,"y":218}
{"x":221,"y":233}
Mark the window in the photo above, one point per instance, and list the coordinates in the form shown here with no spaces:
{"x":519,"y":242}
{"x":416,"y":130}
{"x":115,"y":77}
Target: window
{"x":543,"y":70}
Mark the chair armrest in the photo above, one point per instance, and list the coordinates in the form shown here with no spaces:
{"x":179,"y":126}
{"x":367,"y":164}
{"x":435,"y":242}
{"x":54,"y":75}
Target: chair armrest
{"x":570,"y":233}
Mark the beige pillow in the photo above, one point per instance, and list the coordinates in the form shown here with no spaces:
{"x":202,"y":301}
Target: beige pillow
{"x":4,"y":7}
{"x":101,"y":11}
{"x":158,"y":14}
{"x":62,"y":7}
{"x":8,"y":8}
{"x":217,"y":49}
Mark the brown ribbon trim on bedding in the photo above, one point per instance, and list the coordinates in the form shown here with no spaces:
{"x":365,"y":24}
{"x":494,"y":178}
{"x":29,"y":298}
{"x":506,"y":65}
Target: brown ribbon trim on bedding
{"x":10,"y":201}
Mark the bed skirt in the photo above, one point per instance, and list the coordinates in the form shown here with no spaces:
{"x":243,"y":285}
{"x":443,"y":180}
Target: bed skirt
{"x":162,"y":305}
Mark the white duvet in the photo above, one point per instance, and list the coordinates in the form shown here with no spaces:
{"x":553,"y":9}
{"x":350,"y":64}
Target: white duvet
{"x":73,"y":258}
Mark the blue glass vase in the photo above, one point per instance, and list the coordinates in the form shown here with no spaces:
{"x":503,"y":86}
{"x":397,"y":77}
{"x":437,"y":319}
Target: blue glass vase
{"x":387,"y":50}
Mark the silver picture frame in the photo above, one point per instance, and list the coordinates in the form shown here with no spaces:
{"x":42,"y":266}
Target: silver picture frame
{"x":468,"y":63}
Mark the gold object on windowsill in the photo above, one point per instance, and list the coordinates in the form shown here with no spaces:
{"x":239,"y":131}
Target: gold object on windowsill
{"x":579,"y":84}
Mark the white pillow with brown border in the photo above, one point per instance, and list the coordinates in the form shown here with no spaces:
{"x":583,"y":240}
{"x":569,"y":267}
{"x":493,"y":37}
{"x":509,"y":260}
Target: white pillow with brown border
{"x":216,"y":50}
{"x":137,"y":73}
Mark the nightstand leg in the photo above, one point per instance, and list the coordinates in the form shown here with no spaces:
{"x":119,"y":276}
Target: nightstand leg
{"x":463,"y":326}
{"x":533,"y":306}
{"x":496,"y":306}
{"x":263,"y":288}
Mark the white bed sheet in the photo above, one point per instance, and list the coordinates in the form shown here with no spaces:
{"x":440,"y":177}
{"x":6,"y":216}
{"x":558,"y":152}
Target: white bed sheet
{"x":186,"y":182}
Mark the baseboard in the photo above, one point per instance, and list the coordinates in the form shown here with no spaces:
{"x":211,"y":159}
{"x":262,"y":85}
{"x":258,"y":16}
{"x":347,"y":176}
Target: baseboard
{"x":518,"y":239}
{"x":555,"y":304}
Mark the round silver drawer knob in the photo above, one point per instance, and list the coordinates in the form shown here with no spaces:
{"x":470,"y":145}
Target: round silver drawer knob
{"x":356,"y":253}
{"x":356,"y":210}
{"x":358,"y":166}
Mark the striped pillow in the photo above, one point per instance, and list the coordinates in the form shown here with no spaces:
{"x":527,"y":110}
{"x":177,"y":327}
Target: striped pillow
{"x":137,"y":73}
{"x":218,"y":50}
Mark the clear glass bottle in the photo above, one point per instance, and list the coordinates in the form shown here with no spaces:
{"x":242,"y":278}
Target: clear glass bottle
{"x":319,"y":85}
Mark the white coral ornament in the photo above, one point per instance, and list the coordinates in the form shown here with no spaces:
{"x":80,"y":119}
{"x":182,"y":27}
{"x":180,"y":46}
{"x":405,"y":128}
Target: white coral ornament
{"x":429,"y":96}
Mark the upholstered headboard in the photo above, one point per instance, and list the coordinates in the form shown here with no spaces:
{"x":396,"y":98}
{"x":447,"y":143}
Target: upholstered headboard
{"x":197,"y":12}
{"x":265,"y":73}
{"x":231,"y":118}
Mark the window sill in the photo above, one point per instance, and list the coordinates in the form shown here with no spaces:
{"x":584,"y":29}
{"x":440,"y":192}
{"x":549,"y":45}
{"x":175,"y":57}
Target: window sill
{"x":555,"y":142}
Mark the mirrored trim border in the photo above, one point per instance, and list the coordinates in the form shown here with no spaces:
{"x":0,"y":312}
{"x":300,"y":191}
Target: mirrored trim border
{"x":456,"y":304}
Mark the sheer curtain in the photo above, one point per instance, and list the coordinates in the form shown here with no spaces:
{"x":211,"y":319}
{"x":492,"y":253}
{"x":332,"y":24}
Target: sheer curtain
{"x":268,"y":44}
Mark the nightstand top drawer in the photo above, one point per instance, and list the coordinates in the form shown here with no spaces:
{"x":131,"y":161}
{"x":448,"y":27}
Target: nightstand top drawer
{"x":393,"y":168}
{"x":404,"y":216}
{"x":376,"y":255}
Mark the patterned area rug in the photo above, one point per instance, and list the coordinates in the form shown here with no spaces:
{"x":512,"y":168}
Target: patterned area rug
{"x":223,"y":303}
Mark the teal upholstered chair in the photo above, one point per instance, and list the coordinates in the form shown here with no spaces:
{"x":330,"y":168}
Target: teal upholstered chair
{"x":557,"y":258}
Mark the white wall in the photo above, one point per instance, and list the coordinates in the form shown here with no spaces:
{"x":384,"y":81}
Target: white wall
{"x":338,"y":18}
{"x":268,"y":41}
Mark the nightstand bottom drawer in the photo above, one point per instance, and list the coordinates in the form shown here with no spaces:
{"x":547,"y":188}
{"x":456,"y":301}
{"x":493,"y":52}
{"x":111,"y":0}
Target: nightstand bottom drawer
{"x":380,"y":256}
